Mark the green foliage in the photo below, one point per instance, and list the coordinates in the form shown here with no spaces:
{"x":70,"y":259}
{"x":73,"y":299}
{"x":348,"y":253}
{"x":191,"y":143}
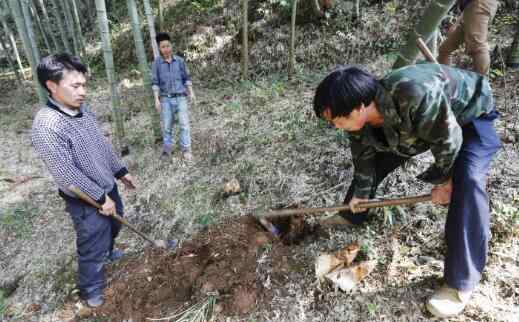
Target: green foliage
{"x":16,"y":221}
{"x":207,"y":219}
{"x":496,"y":73}
{"x":233,"y":106}
{"x":202,"y":5}
{"x":372,"y":308}
{"x":267,"y":247}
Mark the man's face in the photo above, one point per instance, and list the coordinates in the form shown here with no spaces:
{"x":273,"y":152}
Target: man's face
{"x":69,"y":91}
{"x":351,"y":123}
{"x":165,"y":48}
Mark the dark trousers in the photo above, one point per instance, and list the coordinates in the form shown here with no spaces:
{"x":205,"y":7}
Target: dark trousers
{"x":95,"y":234}
{"x":467,"y":227}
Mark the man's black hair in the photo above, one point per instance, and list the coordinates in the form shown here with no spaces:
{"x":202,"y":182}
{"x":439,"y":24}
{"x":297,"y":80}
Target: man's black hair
{"x":52,"y":68}
{"x":161,"y":36}
{"x":343,"y":90}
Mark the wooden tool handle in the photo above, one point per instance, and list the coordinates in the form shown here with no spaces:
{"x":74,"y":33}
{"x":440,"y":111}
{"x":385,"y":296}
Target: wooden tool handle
{"x":364,"y":205}
{"x":425,"y":50}
{"x":394,"y":202}
{"x":86,"y":198}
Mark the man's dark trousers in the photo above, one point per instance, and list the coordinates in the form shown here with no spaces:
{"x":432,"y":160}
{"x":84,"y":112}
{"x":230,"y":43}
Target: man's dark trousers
{"x":95,"y":234}
{"x":467,"y":228}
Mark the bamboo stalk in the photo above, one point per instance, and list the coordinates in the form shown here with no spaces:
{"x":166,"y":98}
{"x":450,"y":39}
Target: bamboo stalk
{"x":29,"y":48}
{"x":61,"y":27}
{"x":143,"y":66}
{"x":10,"y":36}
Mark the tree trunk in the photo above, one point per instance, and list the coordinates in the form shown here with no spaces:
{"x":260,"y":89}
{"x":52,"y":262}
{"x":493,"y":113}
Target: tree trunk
{"x":3,"y":44}
{"x":121,"y":145}
{"x":161,"y":15}
{"x":61,"y":26}
{"x":245,"y":41}
{"x":143,"y":66}
{"x":47,"y":24}
{"x":8,"y":32}
{"x":43,"y":32}
{"x":513,"y":57}
{"x":70,"y":26}
{"x":151,"y":27}
{"x":292,"y":58}
{"x":77,"y":23}
{"x":29,"y":29}
{"x":429,"y":22}
{"x":26,"y":41}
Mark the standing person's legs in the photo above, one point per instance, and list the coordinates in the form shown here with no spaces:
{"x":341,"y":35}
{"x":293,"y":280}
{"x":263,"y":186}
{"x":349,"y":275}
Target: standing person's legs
{"x":93,"y":239}
{"x":385,"y":164}
{"x":115,"y":225}
{"x":167,"y":115}
{"x":477,"y":17}
{"x":467,"y":227}
{"x":450,"y":44}
{"x":183,"y":123}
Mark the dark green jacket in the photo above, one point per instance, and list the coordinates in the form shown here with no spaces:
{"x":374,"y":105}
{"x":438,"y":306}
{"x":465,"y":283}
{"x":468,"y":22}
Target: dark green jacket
{"x":424,"y":107}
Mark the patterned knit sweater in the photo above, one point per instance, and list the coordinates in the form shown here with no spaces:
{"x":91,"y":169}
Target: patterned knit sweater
{"x":75,"y":151}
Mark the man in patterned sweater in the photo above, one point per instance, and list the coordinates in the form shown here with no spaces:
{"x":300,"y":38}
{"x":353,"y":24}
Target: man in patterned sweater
{"x":66,"y":136}
{"x":411,"y":110}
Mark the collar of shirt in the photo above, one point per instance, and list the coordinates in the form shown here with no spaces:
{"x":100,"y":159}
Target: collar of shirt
{"x":162,"y":60}
{"x":62,"y":109}
{"x":392,"y":120}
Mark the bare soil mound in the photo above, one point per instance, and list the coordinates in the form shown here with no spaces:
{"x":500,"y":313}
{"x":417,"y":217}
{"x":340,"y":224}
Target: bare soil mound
{"x":221,"y":260}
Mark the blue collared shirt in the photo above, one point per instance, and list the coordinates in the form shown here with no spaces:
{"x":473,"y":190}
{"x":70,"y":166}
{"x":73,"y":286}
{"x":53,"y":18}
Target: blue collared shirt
{"x":170,"y":78}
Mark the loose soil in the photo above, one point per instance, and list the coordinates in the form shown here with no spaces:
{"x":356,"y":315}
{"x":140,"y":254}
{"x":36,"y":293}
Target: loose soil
{"x":219,"y":261}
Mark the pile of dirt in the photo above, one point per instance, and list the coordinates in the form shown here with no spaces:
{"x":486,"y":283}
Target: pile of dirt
{"x":221,"y":261}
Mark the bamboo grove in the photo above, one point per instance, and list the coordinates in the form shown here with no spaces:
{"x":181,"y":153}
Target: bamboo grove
{"x":42,"y":27}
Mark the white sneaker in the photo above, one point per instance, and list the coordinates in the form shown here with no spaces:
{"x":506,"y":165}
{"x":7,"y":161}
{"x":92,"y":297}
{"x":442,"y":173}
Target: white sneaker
{"x":447,"y":302}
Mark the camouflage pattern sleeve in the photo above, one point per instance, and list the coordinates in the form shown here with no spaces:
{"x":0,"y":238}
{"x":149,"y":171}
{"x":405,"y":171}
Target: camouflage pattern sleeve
{"x":363,"y":157}
{"x":436,"y":123}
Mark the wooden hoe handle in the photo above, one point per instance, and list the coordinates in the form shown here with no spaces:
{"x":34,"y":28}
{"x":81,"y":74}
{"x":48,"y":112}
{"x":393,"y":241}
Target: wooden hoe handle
{"x":86,"y":198}
{"x":364,"y":205}
{"x":425,"y":50}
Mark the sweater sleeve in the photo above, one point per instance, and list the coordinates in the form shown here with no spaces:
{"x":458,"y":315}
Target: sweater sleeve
{"x":55,"y":152}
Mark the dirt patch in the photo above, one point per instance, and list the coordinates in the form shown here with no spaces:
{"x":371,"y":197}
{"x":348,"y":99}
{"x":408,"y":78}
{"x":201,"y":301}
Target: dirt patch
{"x":221,"y":260}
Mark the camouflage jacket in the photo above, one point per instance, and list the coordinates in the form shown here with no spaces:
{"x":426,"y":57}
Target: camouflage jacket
{"x":424,"y":107}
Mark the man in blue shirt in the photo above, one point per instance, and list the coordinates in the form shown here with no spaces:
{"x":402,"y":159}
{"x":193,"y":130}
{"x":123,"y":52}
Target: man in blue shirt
{"x":171,"y":83}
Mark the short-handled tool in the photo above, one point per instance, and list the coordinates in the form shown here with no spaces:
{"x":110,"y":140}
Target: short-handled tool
{"x":265,"y":217}
{"x":86,"y":198}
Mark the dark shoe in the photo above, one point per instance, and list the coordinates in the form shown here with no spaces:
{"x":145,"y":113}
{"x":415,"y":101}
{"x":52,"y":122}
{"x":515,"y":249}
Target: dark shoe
{"x":165,"y":155}
{"x":354,"y":219}
{"x":166,"y":152}
{"x":95,"y":301}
